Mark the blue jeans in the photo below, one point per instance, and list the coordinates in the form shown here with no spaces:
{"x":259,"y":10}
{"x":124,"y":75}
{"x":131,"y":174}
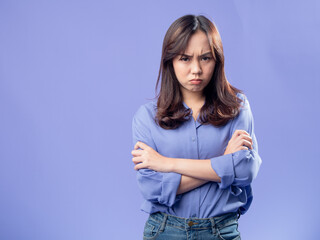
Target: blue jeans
{"x":164,"y":226}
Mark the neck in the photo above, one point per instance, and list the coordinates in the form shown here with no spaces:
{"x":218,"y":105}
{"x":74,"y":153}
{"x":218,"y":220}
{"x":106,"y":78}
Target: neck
{"x":193,"y":99}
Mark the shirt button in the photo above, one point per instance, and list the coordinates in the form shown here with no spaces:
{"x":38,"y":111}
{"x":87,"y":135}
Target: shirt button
{"x":193,"y":139}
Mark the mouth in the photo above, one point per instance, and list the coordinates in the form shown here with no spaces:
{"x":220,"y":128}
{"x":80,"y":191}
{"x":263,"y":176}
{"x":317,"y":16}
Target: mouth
{"x":196,"y":81}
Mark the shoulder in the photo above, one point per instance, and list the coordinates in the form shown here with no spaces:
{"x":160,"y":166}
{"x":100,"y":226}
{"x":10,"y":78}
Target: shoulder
{"x":244,"y":115}
{"x":245,"y":102}
{"x":244,"y":119}
{"x":146,"y":110}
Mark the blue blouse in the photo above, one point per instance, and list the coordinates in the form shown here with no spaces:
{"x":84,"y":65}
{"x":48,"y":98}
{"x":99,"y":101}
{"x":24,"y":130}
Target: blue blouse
{"x":192,"y":140}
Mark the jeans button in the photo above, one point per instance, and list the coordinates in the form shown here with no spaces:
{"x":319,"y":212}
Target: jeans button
{"x":190,"y":224}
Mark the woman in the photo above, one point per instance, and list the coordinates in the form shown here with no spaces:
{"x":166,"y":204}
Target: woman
{"x":195,"y":150}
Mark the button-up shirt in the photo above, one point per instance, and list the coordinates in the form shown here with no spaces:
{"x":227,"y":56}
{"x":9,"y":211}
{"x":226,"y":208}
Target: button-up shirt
{"x":193,"y":140}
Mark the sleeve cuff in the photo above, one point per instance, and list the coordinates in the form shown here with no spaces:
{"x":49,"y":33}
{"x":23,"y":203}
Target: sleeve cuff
{"x":170,"y":185}
{"x":223,"y":166}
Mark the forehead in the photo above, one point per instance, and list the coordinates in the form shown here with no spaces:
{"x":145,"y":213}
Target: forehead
{"x":198,"y":42}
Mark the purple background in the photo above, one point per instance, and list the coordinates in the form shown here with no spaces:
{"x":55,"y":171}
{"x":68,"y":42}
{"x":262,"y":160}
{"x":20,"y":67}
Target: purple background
{"x":72,"y":74}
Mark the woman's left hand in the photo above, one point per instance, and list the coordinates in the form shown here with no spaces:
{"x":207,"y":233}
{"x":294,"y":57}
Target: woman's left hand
{"x":149,"y":158}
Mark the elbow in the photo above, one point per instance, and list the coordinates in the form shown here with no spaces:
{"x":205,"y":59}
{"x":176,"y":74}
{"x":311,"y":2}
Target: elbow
{"x":151,"y":187}
{"x":251,"y":174}
{"x":149,"y":197}
{"x":149,"y":194}
{"x":155,"y":195}
{"x":248,"y":168}
{"x":148,"y":191}
{"x":254,"y":162}
{"x":167,"y":203}
{"x":158,"y":187}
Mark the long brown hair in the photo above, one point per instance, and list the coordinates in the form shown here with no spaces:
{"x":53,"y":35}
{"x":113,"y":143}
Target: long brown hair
{"x":221,"y":104}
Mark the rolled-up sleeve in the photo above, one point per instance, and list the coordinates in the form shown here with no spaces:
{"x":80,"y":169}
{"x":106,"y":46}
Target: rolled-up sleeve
{"x":157,"y":187}
{"x":239,"y":168}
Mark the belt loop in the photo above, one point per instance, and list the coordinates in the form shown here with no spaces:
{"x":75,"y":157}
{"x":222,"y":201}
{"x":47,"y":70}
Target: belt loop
{"x":213,"y":225}
{"x":165,"y":216}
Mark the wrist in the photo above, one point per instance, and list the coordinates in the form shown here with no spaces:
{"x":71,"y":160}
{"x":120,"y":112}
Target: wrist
{"x":170,"y":164}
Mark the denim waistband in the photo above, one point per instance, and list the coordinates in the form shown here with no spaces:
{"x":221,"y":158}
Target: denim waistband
{"x":196,"y":223}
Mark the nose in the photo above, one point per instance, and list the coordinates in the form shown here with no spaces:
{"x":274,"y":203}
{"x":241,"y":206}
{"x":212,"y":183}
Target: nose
{"x":196,"y":67}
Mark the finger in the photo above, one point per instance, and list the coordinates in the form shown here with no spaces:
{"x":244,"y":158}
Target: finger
{"x":236,"y":134}
{"x":240,"y":141}
{"x":246,"y":143}
{"x":240,"y":131}
{"x":136,"y":146}
{"x":136,"y":153}
{"x":247,"y":138}
{"x":141,"y":145}
{"x":137,"y":160}
{"x":243,"y":148}
{"x":241,"y":134}
{"x":139,"y":166}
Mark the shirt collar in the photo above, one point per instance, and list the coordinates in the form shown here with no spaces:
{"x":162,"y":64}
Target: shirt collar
{"x":186,"y":106}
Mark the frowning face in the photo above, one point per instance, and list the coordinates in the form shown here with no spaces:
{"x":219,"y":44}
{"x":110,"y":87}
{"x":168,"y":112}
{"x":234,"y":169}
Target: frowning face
{"x":196,"y":62}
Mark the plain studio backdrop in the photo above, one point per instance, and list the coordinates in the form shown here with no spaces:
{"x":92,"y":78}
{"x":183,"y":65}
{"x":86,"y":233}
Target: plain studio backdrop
{"x":73,"y":73}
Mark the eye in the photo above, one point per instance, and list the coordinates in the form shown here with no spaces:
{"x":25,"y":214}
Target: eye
{"x":184,"y":59}
{"x":206,"y":58}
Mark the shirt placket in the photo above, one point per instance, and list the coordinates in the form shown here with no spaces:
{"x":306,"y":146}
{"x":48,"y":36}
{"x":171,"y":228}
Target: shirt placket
{"x":197,"y":192}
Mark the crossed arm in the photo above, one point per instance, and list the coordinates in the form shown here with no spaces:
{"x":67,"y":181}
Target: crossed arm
{"x":194,"y":173}
{"x":188,"y":183}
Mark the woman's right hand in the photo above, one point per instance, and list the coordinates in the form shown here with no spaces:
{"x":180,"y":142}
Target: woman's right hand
{"x":238,"y":139}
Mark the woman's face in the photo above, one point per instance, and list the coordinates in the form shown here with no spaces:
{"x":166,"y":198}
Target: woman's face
{"x":195,"y":63}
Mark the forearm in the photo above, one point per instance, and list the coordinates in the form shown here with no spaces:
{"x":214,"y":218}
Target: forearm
{"x":188,"y":183}
{"x":195,"y":168}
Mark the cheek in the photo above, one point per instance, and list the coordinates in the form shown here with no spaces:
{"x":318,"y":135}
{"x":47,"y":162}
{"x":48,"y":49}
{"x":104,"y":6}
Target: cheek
{"x":180,"y":70}
{"x":210,"y":69}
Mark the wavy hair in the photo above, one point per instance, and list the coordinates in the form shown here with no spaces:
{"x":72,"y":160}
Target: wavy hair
{"x":222,"y":103}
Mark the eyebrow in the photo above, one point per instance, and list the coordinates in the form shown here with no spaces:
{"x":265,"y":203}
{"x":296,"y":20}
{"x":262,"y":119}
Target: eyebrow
{"x":200,"y":56}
